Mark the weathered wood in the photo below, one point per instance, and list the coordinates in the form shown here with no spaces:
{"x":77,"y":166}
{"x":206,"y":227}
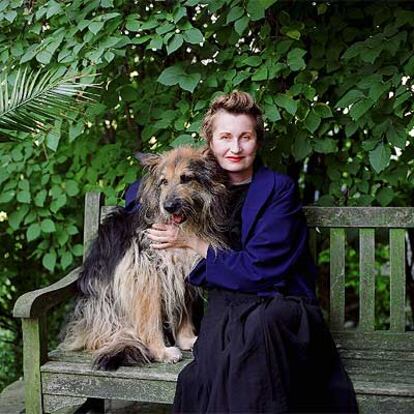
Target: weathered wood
{"x":337,"y":278}
{"x":367,"y":279}
{"x":38,"y":302}
{"x":397,"y":280}
{"x":388,"y":217}
{"x":313,"y":244}
{"x":380,"y":340}
{"x":93,"y":203}
{"x":389,"y":404}
{"x":34,"y":355}
{"x":52,"y":403}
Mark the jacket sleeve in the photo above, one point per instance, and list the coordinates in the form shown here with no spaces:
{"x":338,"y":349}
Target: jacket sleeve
{"x":278,"y":240}
{"x":131,"y":204}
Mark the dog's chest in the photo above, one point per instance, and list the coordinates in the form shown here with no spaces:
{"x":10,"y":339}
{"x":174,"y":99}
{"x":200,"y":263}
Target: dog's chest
{"x":180,"y":260}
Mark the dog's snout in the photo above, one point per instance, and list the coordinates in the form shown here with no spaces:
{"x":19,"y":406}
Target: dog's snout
{"x":172,"y":205}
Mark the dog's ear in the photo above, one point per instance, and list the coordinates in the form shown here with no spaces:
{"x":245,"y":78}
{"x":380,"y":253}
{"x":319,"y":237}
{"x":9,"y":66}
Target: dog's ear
{"x":147,"y":160}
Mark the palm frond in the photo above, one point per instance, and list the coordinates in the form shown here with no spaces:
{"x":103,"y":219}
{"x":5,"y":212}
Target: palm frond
{"x":37,"y":100}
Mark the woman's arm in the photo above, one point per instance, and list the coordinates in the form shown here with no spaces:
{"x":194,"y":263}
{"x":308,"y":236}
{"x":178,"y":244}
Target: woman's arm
{"x":279,"y":239}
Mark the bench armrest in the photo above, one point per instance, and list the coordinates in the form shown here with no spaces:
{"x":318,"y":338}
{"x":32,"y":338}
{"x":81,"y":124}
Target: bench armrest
{"x":36,"y":303}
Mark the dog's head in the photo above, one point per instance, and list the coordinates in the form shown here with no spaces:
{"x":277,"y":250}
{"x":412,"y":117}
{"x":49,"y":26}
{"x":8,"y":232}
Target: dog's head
{"x":186,"y":184}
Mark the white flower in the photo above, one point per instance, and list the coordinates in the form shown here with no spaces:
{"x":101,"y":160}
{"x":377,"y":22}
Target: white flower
{"x":3,"y":216}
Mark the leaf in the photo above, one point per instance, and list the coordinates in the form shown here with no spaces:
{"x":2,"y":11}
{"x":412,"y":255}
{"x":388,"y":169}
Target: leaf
{"x":188,"y":82}
{"x":40,"y":198}
{"x":360,"y":108}
{"x":33,"y":232}
{"x":301,"y":147}
{"x":272,"y":113}
{"x":23,"y":197}
{"x":397,"y":135}
{"x":380,"y":157}
{"x":174,"y":44}
{"x":48,"y":226}
{"x":49,"y":260}
{"x":75,"y":130}
{"x":323,"y":110}
{"x":193,"y":36}
{"x":181,"y":140}
{"x":312,"y":121}
{"x":44,"y":57}
{"x":95,"y":27}
{"x":66,"y":260}
{"x":171,"y":75}
{"x":257,"y":8}
{"x":39,"y":99}
{"x":241,"y":25}
{"x":234,"y":14}
{"x":286,"y":102}
{"x":325,"y":146}
{"x":260,"y":74}
{"x":77,"y":250}
{"x":17,"y":217}
{"x":72,"y":188}
{"x":6,"y":196}
{"x":385,"y":196}
{"x":293,"y":34}
{"x":349,"y":98}
{"x":295,"y":59}
{"x":252,"y":61}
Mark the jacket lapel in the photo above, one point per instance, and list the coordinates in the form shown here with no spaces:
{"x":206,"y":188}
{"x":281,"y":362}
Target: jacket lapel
{"x":257,"y":195}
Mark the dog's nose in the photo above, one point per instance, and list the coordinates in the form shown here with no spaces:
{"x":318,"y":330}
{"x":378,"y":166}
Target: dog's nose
{"x":172,"y":206}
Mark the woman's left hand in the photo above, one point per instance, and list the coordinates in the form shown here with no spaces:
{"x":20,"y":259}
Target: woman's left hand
{"x":167,"y":236}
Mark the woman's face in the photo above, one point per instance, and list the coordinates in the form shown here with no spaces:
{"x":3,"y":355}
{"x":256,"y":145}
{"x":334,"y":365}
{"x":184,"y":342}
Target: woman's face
{"x":234,"y":144}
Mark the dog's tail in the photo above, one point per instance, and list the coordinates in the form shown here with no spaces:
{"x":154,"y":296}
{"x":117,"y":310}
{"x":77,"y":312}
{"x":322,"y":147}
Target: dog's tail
{"x":122,"y":351}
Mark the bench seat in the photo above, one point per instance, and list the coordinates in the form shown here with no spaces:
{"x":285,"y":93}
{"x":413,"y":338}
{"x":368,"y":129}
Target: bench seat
{"x":383,"y":380}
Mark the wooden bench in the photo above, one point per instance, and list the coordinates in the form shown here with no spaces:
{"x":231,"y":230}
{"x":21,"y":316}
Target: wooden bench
{"x":380,"y":363}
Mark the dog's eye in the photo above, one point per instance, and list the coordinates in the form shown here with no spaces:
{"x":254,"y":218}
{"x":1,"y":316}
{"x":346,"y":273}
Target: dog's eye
{"x":186,"y":178}
{"x":164,"y":181}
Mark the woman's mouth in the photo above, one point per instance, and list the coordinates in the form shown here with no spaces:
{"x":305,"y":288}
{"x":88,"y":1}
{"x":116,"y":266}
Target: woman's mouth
{"x":234,"y":159}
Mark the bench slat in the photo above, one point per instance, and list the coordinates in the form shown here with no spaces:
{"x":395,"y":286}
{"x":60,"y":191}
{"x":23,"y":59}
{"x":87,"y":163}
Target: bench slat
{"x":397,"y":280}
{"x":387,"y":217}
{"x":93,"y":203}
{"x":367,"y":279}
{"x":337,"y":280}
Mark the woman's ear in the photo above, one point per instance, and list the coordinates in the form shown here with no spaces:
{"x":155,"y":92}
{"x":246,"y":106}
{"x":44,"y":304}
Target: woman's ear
{"x":147,"y":160}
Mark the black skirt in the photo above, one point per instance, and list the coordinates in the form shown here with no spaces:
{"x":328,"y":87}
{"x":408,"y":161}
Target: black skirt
{"x":263,"y":355}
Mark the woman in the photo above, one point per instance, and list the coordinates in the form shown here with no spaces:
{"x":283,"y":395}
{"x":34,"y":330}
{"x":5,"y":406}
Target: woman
{"x":263,"y":345}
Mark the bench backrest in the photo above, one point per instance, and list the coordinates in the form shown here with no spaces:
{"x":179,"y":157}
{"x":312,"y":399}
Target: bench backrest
{"x":336,"y":220}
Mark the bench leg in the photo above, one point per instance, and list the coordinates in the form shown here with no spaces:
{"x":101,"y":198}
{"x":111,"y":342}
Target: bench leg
{"x":34,"y":355}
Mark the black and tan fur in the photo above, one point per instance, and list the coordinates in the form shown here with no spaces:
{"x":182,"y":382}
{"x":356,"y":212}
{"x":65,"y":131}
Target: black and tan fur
{"x":131,"y":294}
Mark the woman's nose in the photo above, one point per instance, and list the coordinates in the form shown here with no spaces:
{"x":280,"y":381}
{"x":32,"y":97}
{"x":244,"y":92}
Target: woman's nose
{"x":235,"y":147}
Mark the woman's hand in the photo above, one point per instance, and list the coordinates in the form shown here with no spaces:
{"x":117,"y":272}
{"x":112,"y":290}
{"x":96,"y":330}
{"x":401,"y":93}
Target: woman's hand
{"x":167,"y":236}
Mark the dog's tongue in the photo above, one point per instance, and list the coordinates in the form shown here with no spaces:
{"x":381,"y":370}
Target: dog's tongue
{"x":177,"y":219}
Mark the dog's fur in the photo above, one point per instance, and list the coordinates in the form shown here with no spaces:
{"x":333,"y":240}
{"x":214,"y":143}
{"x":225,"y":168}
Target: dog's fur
{"x":133,"y":295}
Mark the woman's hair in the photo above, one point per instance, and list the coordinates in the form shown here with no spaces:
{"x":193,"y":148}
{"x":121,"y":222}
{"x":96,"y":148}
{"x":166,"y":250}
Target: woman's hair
{"x":236,"y":102}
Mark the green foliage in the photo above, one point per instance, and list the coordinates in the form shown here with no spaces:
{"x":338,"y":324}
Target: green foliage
{"x":334,"y":80}
{"x":39,"y":99}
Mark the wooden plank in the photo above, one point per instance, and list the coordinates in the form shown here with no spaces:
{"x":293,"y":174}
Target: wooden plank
{"x":337,"y":278}
{"x":397,"y":280}
{"x":130,"y":389}
{"x":366,"y":279}
{"x":155,"y":371}
{"x":388,"y":217}
{"x":34,"y":355}
{"x":93,"y":203}
{"x":370,"y":403}
{"x":381,"y":340}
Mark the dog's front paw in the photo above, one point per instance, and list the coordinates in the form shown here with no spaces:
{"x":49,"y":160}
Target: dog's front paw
{"x":172,"y":354}
{"x":186,"y":343}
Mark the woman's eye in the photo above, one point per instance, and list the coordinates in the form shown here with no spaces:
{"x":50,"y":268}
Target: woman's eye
{"x":164,"y":181}
{"x":185,"y":179}
{"x":246,"y":137}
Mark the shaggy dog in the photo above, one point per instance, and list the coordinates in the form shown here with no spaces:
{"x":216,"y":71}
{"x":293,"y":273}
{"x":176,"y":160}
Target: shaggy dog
{"x":133,"y":298}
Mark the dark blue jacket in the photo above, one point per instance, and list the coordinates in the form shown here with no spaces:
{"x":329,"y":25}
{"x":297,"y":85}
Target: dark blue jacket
{"x":274,"y":255}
